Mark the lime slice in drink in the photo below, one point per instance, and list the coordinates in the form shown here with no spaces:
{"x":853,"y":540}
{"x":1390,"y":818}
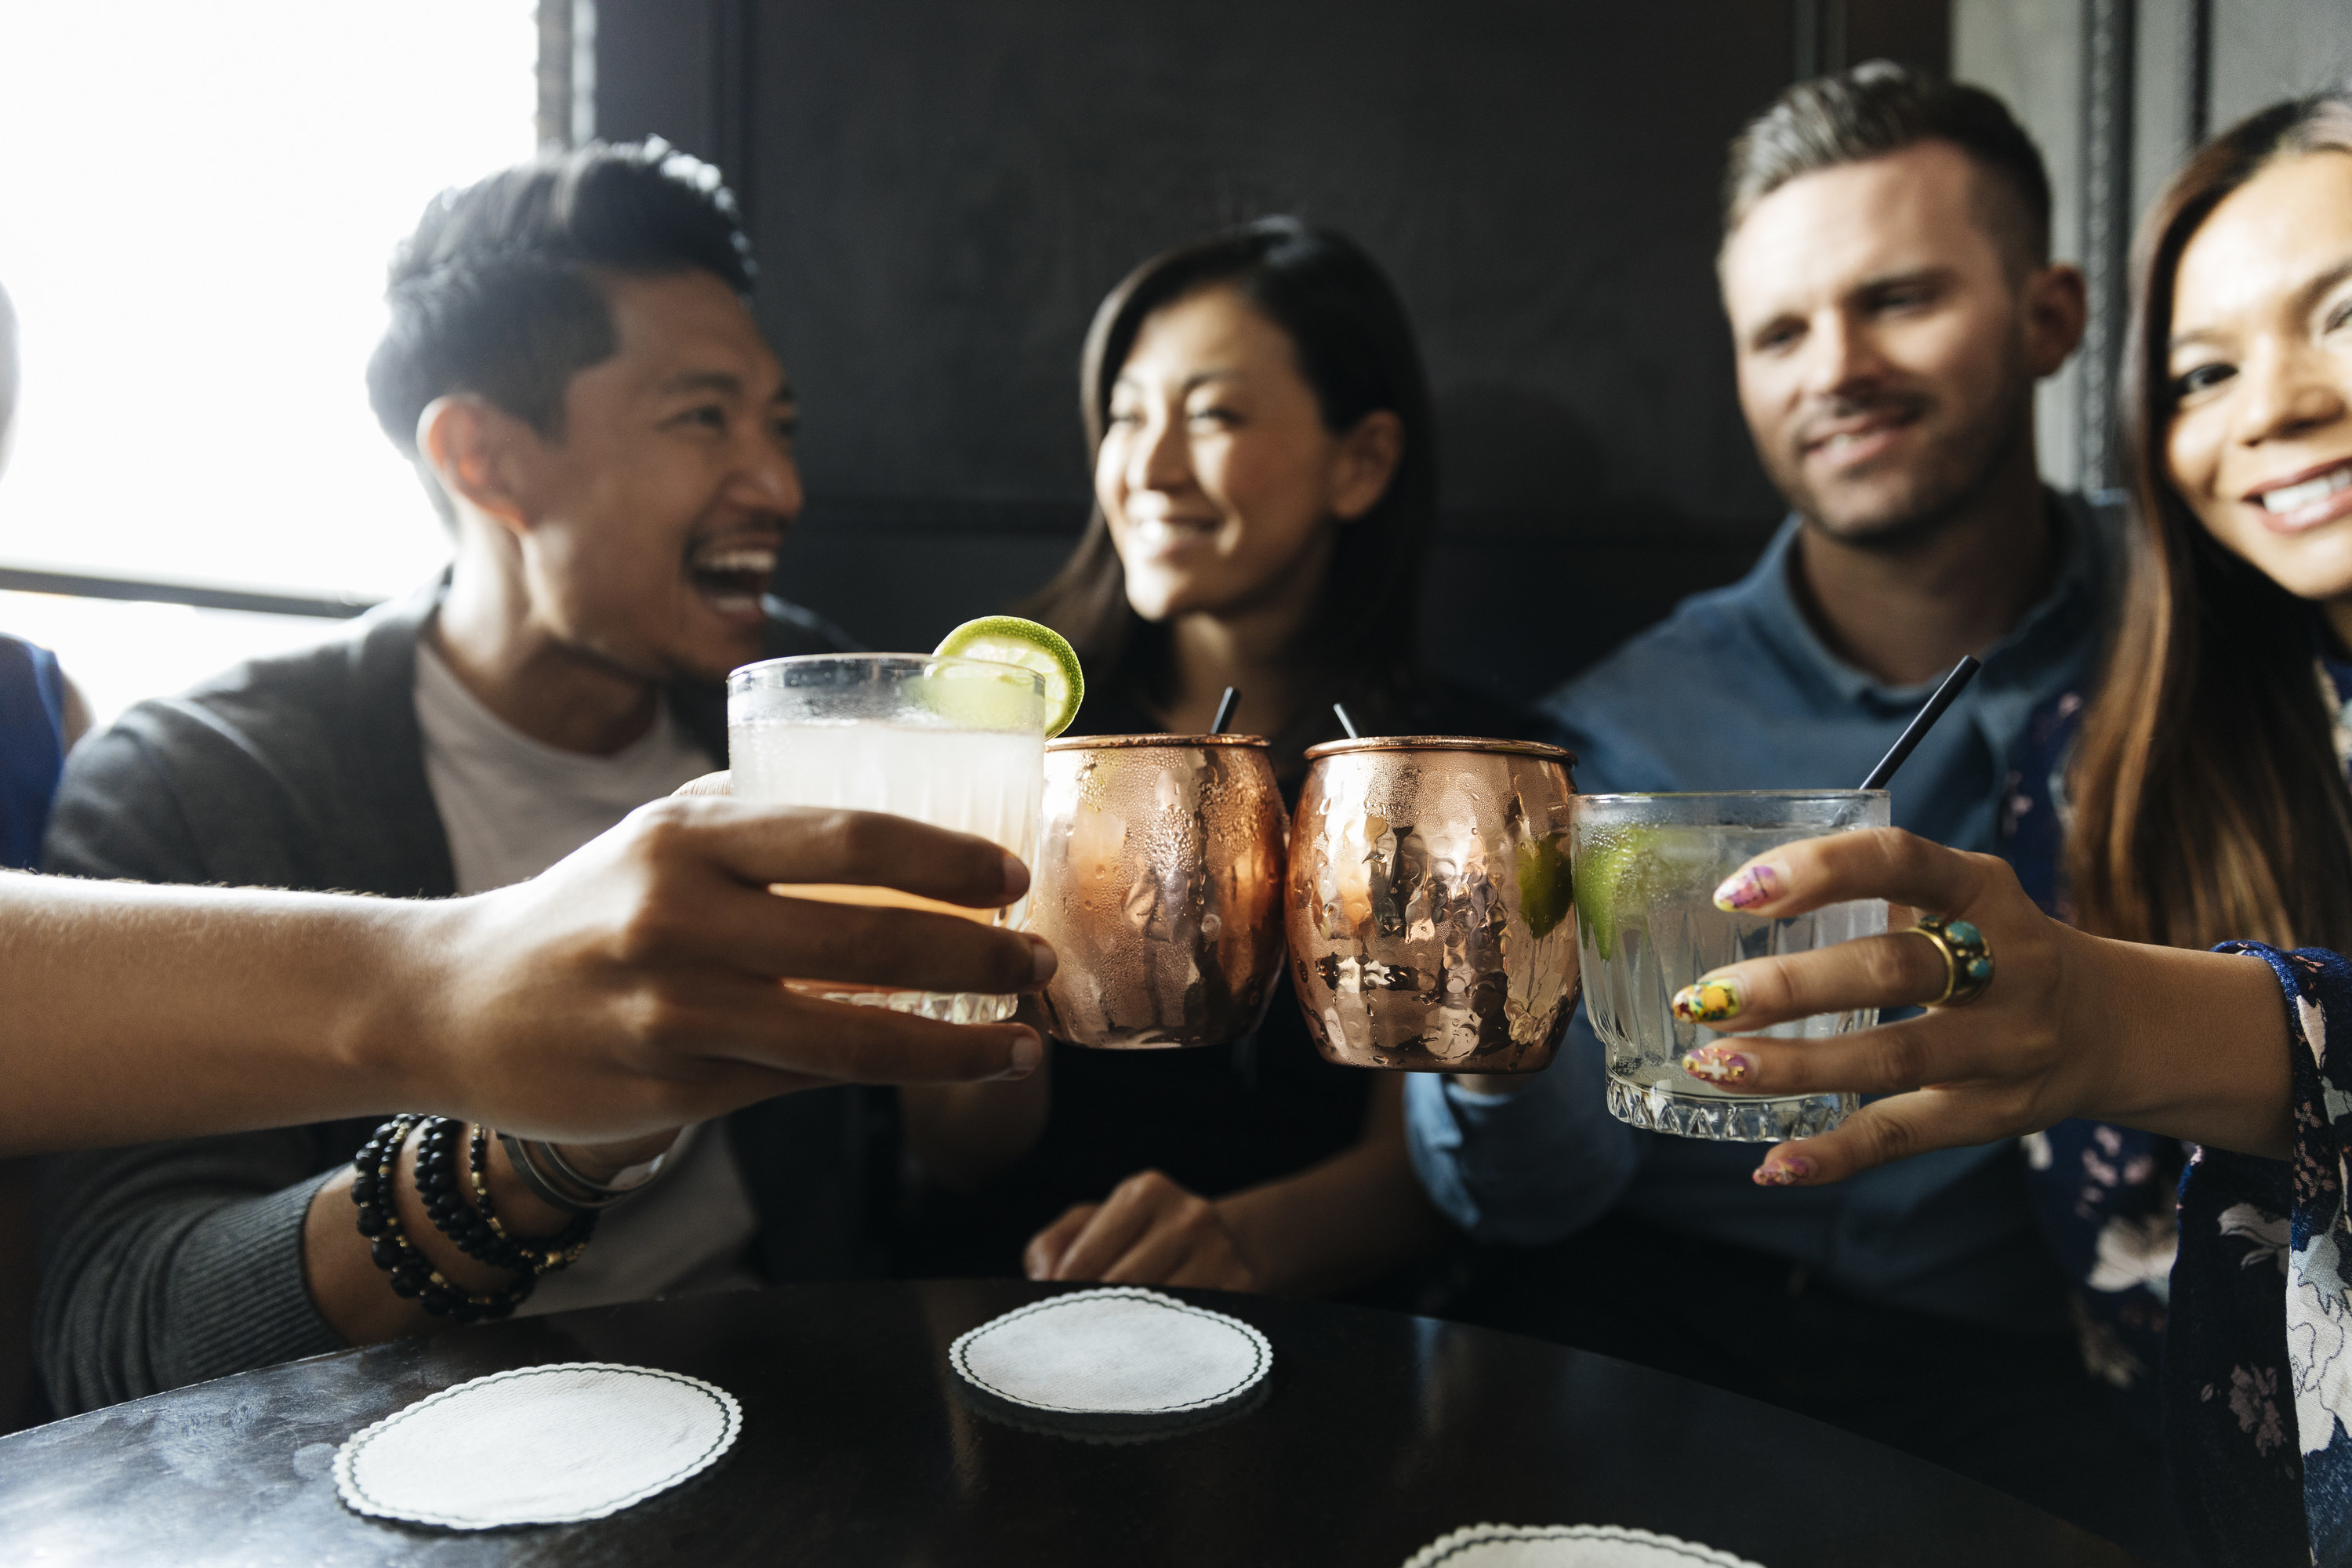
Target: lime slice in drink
{"x":1545,"y":884}
{"x":1008,"y":639}
{"x":1613,"y":869}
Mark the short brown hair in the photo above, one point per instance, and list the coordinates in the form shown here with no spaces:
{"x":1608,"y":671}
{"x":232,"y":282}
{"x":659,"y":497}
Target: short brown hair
{"x":1878,"y":108}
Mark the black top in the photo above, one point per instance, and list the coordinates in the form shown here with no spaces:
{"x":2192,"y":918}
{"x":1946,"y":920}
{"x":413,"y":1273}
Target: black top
{"x":1378,"y":1433}
{"x":1213,"y":1119}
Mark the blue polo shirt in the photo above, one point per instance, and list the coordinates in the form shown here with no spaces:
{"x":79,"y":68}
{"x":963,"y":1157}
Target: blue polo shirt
{"x":1735,"y":691}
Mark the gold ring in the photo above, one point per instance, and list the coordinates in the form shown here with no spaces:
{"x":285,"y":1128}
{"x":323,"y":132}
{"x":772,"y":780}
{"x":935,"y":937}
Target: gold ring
{"x":1967,"y":962}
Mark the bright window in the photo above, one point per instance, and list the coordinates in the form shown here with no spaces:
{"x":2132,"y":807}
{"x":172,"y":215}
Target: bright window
{"x":199,"y":204}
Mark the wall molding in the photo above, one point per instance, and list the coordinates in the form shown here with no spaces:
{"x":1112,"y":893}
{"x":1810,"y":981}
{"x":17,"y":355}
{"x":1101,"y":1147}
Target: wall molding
{"x":2107,"y":144}
{"x":203,"y":597}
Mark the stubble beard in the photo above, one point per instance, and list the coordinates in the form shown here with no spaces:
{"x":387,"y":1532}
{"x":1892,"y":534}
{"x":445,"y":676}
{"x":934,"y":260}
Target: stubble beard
{"x":1949,"y":486}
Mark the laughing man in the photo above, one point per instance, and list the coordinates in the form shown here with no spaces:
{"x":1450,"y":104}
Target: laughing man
{"x":574,"y":367}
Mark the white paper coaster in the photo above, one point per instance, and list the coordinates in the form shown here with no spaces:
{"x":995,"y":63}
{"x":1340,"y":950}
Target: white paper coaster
{"x":539,"y":1445}
{"x":1566,"y":1546}
{"x":1119,"y":1356}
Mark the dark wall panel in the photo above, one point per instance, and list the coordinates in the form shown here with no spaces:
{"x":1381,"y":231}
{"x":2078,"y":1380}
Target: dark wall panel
{"x":941,"y":193}
{"x":656,"y":66}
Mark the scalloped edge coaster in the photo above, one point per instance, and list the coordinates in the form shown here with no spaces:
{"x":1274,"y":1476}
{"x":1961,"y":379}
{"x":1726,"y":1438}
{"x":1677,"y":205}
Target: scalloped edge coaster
{"x":1108,"y":1431}
{"x":352,"y":1483}
{"x":1459,"y":1550}
{"x":1256,"y":1355}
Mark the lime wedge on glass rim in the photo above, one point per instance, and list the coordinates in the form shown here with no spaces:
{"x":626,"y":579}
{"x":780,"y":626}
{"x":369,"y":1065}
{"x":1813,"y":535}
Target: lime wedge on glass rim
{"x":1008,"y":639}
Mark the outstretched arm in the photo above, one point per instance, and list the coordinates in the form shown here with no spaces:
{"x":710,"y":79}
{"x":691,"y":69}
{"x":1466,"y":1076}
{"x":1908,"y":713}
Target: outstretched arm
{"x":630,"y":989}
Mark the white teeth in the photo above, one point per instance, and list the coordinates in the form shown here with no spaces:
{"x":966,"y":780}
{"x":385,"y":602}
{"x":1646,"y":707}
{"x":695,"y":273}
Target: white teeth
{"x":1162,"y":531}
{"x":2294,"y":498}
{"x":740,"y":559}
{"x":1849,"y":437}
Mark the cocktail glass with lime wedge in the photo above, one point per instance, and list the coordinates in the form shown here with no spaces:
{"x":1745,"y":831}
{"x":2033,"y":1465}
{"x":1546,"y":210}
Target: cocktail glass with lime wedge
{"x":1645,"y":868}
{"x":949,"y":739}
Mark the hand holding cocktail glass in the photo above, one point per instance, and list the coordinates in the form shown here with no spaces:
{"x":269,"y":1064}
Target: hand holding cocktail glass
{"x":1662,"y":906}
{"x":1652,"y":917}
{"x":2178,"y":1042}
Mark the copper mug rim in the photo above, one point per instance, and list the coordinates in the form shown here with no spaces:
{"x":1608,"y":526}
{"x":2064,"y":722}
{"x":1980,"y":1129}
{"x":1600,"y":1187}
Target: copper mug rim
{"x":1138,"y":743}
{"x":1441,"y":743}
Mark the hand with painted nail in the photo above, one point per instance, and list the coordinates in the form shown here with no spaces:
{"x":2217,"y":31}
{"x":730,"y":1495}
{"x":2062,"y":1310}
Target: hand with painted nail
{"x":2190,"y":1045}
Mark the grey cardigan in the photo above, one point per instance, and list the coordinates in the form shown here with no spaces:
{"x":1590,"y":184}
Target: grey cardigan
{"x":173,"y":1262}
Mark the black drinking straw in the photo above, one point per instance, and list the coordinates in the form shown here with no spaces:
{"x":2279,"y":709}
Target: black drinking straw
{"x":1953,"y":684}
{"x":1345,"y":723}
{"x":1225,"y":709}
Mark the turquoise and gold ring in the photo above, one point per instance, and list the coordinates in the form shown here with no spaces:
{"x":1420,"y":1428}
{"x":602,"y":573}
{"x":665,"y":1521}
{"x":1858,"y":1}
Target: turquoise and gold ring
{"x":1967,"y":962}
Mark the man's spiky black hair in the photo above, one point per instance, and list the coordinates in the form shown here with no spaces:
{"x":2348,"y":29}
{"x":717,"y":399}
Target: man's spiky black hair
{"x":495,"y":293}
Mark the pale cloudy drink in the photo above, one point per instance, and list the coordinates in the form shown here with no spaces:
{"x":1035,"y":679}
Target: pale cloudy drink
{"x":954,"y":743}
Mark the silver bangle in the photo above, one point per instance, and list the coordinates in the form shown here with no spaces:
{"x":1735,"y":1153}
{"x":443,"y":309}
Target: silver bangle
{"x":518,"y":1155}
{"x":627,"y":1181}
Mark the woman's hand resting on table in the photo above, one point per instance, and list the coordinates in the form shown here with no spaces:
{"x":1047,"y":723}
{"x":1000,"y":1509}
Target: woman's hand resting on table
{"x":2190,"y":1045}
{"x":1149,"y":1231}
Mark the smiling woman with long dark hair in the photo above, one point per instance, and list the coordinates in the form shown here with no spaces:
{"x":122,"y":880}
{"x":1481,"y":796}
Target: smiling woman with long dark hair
{"x":1266,"y":485}
{"x":2210,"y":797}
{"x":1262,"y":525}
{"x":2204,"y":799}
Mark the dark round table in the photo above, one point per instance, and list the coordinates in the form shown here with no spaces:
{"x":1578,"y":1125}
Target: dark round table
{"x":1380,"y":1434}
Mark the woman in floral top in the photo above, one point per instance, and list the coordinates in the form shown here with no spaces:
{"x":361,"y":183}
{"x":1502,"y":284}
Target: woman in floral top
{"x":2197,"y":801}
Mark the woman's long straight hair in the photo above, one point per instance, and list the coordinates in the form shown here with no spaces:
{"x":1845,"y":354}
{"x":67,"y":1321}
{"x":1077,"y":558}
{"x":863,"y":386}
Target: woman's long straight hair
{"x":1355,"y":351}
{"x":2208,"y":800}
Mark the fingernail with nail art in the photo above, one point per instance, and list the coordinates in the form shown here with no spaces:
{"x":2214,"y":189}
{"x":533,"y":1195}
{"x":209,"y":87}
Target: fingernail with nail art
{"x":1710,"y":999}
{"x":1785,"y":1172}
{"x":1715,"y":1065}
{"x":1751,"y":886}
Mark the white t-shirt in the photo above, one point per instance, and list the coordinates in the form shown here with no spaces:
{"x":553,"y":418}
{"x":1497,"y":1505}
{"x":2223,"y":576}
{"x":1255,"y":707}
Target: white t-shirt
{"x":512,"y":808}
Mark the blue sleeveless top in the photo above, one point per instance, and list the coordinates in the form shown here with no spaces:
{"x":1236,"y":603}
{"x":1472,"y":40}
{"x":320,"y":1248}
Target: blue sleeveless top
{"x":32,"y":747}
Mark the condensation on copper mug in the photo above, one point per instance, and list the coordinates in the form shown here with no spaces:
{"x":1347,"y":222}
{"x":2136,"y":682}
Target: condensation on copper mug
{"x":1160,"y":885}
{"x":1428,"y":903}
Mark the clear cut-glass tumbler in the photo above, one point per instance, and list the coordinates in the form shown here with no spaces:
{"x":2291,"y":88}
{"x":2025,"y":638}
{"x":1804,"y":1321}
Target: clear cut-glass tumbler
{"x":1646,"y":868}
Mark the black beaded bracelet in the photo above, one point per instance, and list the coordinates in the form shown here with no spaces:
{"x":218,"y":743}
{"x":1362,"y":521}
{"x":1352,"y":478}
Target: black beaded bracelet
{"x":473,"y":1227}
{"x":374,"y":1179}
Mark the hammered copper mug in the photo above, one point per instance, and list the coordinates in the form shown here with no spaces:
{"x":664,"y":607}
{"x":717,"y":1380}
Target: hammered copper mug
{"x":1159,"y":881}
{"x":1427,"y":903}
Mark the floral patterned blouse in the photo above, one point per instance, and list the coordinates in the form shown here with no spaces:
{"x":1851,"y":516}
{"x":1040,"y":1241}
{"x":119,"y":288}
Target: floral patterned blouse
{"x":2254,"y":1405}
{"x":2103,"y":1196}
